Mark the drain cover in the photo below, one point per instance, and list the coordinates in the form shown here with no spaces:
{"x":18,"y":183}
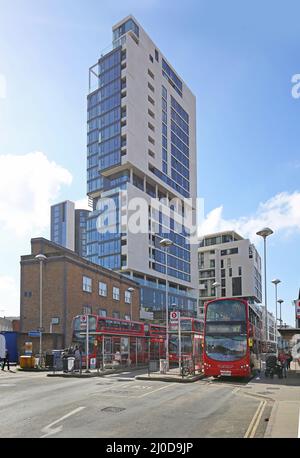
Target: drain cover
{"x":113,"y":409}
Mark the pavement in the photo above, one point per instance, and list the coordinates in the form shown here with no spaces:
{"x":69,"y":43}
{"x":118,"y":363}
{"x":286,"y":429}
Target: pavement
{"x":122,"y":405}
{"x":172,"y":375}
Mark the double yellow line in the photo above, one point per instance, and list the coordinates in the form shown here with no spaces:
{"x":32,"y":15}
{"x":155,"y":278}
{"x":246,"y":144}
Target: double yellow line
{"x":250,"y":433}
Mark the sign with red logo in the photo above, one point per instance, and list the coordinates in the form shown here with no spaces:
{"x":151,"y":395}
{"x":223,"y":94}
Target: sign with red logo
{"x":83,"y":321}
{"x":174,"y":316}
{"x":174,"y":320}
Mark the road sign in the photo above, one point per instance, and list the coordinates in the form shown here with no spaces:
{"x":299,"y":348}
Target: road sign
{"x":33,"y":334}
{"x":55,"y":320}
{"x":174,"y":316}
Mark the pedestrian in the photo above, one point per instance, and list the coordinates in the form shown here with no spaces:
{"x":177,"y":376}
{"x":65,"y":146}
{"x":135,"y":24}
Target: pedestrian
{"x":118,"y":357}
{"x":282,"y":358}
{"x":64,"y":358}
{"x":6,"y":360}
{"x":289,"y":360}
{"x":77,"y":363}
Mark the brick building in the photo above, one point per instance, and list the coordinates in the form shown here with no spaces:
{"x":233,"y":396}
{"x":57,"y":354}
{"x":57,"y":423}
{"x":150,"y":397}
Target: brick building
{"x":71,"y":286}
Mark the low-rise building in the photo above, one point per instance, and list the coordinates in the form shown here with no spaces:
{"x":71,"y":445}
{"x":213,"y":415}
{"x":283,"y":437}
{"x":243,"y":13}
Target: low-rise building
{"x":5,"y":325}
{"x":71,"y":285}
{"x":231,"y":261}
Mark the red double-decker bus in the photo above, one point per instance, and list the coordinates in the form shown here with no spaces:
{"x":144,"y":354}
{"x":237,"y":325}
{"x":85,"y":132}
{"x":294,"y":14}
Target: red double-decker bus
{"x":109,"y":337}
{"x":232,"y":338}
{"x":191,"y":342}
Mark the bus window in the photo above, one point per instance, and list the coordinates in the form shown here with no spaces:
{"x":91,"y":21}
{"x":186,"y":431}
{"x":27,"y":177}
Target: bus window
{"x":92,"y":323}
{"x":226,"y":310}
{"x":186,"y":325}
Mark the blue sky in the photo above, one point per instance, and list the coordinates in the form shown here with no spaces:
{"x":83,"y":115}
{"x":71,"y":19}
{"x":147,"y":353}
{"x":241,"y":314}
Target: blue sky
{"x":237,"y":57}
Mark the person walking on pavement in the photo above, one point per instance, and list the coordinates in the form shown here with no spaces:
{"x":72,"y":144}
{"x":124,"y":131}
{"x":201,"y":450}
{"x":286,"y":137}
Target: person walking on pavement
{"x":77,"y":363}
{"x":289,"y":360}
{"x":282,"y":358}
{"x":6,"y":360}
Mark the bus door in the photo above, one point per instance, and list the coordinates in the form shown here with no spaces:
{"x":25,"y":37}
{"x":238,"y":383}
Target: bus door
{"x":124,"y":350}
{"x":107,"y":354}
{"x":197,"y":351}
{"x":133,"y":351}
{"x":140,"y":350}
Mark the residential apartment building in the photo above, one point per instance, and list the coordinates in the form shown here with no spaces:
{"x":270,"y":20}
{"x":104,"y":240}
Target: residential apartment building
{"x":71,"y":286}
{"x":231,"y":261}
{"x":270,"y":336}
{"x":63,"y":224}
{"x":69,"y":226}
{"x":81,"y":217}
{"x":142,"y":144}
{"x":5,"y":325}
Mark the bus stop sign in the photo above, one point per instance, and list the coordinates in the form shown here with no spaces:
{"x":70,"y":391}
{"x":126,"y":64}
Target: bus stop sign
{"x":174,"y":316}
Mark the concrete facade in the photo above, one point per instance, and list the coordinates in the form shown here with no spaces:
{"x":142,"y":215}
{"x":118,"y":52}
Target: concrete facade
{"x":142,"y":163}
{"x":63,"y":224}
{"x":64,"y":280}
{"x":232,"y":261}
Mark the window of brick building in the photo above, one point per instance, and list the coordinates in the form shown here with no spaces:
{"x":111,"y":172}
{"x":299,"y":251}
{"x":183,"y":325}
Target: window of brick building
{"x":87,"y":284}
{"x":127,"y":297}
{"x":116,"y":293}
{"x":87,"y":310}
{"x":102,"y":289}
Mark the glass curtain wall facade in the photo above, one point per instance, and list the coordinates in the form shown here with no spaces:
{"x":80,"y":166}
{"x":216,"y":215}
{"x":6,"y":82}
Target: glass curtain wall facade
{"x":104,"y":152}
{"x":108,"y":105}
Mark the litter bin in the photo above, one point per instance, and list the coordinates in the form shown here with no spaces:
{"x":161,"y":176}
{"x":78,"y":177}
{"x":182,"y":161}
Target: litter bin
{"x":49,"y":360}
{"x":27,"y":362}
{"x":71,"y":360}
{"x":57,"y":360}
{"x":163,"y":366}
{"x":65,"y":364}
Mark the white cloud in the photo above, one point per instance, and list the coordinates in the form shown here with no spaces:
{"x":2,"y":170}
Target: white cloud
{"x":2,"y":87}
{"x":9,"y":296}
{"x":82,"y":204}
{"x":29,"y":184}
{"x":281,"y":213}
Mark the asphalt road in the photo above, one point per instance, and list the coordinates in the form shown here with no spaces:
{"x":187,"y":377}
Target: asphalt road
{"x":33,"y":405}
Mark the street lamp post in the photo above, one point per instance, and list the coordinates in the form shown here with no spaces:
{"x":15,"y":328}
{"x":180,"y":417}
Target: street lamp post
{"x":264,"y":233}
{"x":216,"y":285}
{"x":130,"y":290}
{"x":276,"y":281}
{"x":280,"y":301}
{"x":41,"y":258}
{"x":166,"y":243}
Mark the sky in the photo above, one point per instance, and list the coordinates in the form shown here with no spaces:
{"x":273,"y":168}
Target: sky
{"x":238,"y":58}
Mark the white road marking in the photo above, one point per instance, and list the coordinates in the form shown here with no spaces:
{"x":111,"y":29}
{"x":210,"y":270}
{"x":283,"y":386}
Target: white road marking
{"x":7,"y":384}
{"x":48,"y":429}
{"x":154,"y":391}
{"x":255,"y":420}
{"x":117,"y":392}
